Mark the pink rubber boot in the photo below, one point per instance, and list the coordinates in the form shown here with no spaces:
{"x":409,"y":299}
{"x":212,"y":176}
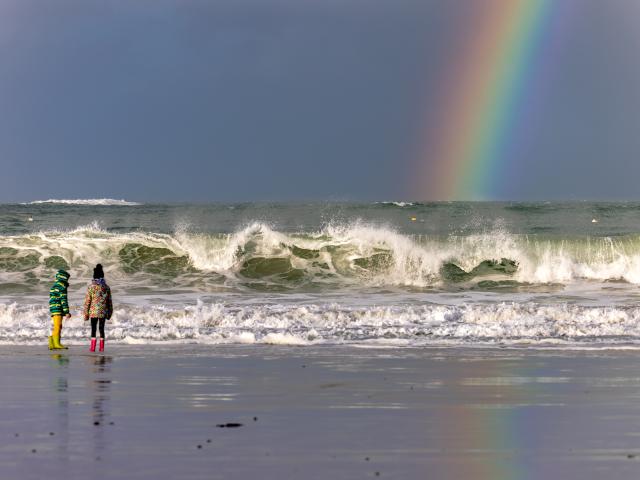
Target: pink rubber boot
{"x":93,"y":345}
{"x":102,"y":344}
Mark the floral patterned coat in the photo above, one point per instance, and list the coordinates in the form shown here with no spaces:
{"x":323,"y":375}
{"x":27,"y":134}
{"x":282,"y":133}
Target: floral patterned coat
{"x":97,"y":302}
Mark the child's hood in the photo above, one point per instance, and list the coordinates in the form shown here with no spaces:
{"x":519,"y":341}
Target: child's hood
{"x":62,"y":276}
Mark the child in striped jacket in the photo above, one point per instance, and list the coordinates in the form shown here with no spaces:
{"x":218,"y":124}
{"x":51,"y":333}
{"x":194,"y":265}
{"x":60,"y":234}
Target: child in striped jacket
{"x":59,"y":307}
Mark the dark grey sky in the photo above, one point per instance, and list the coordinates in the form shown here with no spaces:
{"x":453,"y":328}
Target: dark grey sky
{"x":179,"y":100}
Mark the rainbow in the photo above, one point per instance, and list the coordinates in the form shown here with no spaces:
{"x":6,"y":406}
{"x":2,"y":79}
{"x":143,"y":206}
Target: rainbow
{"x":488,"y":84}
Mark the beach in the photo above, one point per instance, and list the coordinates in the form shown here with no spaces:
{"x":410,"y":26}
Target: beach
{"x":234,"y":411}
{"x":484,"y":341}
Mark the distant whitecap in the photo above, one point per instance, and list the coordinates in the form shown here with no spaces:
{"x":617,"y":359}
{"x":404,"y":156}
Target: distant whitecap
{"x":89,"y":201}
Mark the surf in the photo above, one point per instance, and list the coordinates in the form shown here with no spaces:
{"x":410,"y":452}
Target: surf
{"x":504,"y":323}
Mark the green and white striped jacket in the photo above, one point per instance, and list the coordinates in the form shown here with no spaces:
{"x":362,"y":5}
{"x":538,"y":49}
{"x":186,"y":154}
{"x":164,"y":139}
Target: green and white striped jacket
{"x":58,"y":304}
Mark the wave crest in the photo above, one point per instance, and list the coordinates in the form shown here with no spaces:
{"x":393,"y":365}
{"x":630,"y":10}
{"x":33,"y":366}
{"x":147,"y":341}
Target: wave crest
{"x":357,"y":254}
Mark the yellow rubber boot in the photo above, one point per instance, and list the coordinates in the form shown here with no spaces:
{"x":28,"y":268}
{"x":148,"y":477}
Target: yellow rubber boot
{"x":57,"y":330}
{"x":51,"y":347}
{"x":57,"y":345}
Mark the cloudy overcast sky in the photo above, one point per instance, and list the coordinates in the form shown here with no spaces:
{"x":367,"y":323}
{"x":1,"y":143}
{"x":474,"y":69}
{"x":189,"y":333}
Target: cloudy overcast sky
{"x":231,"y":100}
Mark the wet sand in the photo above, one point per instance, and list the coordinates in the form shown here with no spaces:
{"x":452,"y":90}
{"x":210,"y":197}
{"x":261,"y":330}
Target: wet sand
{"x":149,"y":412}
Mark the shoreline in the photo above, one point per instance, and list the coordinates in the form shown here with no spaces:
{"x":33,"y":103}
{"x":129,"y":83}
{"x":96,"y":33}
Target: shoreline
{"x":319,"y":412}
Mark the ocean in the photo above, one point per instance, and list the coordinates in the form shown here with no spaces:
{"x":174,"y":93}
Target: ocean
{"x":400,"y":274}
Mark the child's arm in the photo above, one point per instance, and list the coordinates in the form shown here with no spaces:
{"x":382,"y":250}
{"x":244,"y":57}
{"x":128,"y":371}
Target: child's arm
{"x":109,"y":304}
{"x":63,"y":302}
{"x":87,"y":305}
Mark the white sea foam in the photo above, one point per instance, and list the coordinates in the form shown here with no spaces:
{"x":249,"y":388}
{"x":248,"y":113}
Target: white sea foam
{"x":87,"y":201}
{"x":282,"y":324}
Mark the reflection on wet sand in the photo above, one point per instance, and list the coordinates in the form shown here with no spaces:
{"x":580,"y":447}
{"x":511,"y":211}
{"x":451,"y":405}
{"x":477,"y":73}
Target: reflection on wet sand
{"x":101,"y":390}
{"x":61,"y":392}
{"x":334,"y":412}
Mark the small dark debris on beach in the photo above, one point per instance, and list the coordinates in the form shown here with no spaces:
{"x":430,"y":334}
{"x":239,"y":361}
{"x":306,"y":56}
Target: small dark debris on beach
{"x":255,"y":419}
{"x":229,"y":425}
{"x":96,"y":423}
{"x":377,"y":474}
{"x":33,"y":450}
{"x":199,"y":446}
{"x":17,"y":434}
{"x":366,"y":459}
{"x":111,"y":423}
{"x":208,"y":440}
{"x":304,"y":366}
{"x":51,"y":434}
{"x":631,"y":455}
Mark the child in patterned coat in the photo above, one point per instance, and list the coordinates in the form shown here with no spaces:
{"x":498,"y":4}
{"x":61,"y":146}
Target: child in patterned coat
{"x":98,"y":306}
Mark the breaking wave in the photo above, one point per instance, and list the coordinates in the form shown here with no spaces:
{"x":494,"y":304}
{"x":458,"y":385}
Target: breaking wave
{"x":353,"y":255}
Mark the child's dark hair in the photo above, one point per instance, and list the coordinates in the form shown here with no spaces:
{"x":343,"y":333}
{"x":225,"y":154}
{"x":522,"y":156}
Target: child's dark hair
{"x":97,"y":272}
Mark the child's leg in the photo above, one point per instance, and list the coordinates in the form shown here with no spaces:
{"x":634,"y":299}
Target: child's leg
{"x":57,"y":330}
{"x":57,"y":325}
{"x":94,"y":324}
{"x":102,"y":335}
{"x":55,"y":319}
